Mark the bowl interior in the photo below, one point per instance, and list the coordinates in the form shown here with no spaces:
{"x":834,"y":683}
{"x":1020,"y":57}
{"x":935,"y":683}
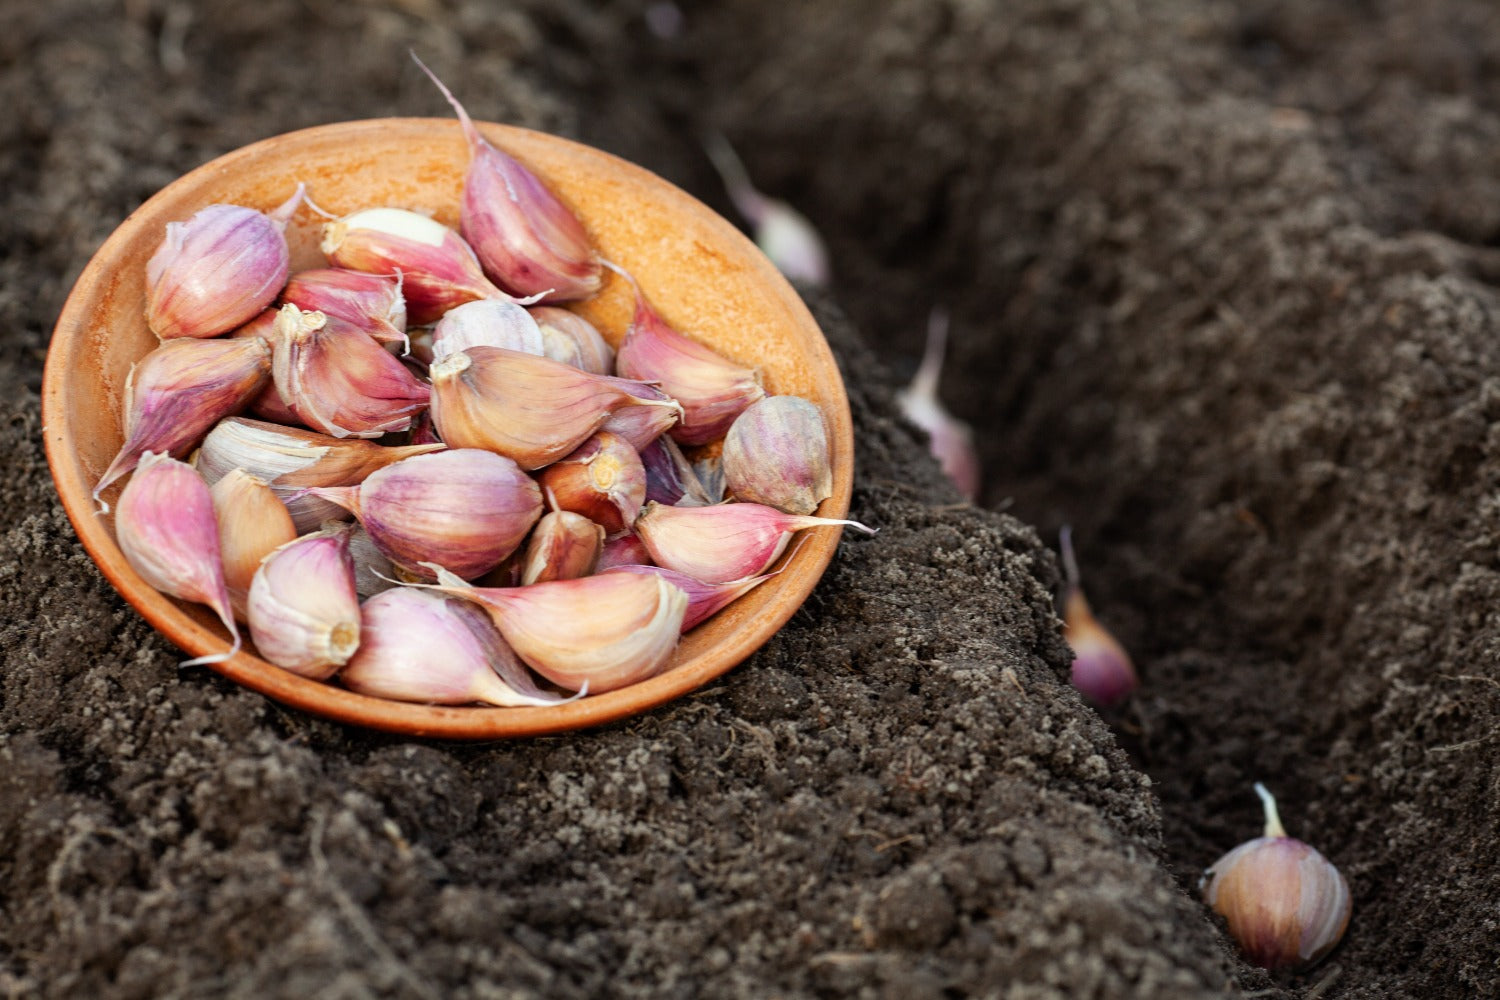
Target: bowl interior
{"x":701,"y":273}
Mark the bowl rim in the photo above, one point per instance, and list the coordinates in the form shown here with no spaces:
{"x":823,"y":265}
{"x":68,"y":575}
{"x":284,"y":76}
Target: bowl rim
{"x":802,"y":567}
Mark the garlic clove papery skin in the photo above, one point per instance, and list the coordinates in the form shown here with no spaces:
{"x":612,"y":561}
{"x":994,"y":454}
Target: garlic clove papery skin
{"x":1286,"y":905}
{"x":252,"y":524}
{"x":776,"y":453}
{"x":291,"y":459}
{"x":1102,"y":670}
{"x":724,"y":542}
{"x":950,"y":440}
{"x":670,"y":477}
{"x":373,"y":572}
{"x":167,"y":532}
{"x":464,"y":509}
{"x":712,"y":389}
{"x":216,"y":270}
{"x":529,"y":242}
{"x":424,"y":647}
{"x":623,"y":550}
{"x":704,"y":599}
{"x":573,"y":340}
{"x":628,"y":634}
{"x":176,"y":393}
{"x":372,"y":302}
{"x":563,"y":546}
{"x":438,"y":268}
{"x":340,"y":381}
{"x":303,"y":607}
{"x":489,"y":323}
{"x":531,"y":409}
{"x":602,"y":479}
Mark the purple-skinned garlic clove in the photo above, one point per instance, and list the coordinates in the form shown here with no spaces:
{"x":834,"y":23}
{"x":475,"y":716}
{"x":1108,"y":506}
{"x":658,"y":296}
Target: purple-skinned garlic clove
{"x":724,"y":542}
{"x":303,"y":607}
{"x":670,"y":478}
{"x":602,"y":479}
{"x":216,"y":270}
{"x":1101,"y":670}
{"x":423,"y":647}
{"x":563,"y":546}
{"x":950,"y":440}
{"x":372,"y":302}
{"x":487,"y":323}
{"x":776,"y":453}
{"x":704,"y":599}
{"x":464,"y":509}
{"x":645,"y":418}
{"x":167,"y":532}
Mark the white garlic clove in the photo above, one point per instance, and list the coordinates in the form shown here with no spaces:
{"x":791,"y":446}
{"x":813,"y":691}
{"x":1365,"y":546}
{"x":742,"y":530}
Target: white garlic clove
{"x":776,"y":453}
{"x":724,"y":542}
{"x":303,"y":608}
{"x":573,"y":340}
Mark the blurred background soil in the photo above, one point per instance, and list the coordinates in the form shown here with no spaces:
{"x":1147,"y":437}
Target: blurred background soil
{"x":1224,"y":282}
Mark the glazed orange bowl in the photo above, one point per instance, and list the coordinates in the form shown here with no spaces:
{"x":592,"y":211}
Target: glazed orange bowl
{"x":699,"y":271}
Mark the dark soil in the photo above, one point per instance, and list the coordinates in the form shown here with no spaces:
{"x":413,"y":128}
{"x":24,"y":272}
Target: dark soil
{"x":1223,"y":280}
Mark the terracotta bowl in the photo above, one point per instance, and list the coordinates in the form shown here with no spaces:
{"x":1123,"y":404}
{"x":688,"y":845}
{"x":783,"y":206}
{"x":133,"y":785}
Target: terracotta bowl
{"x":702,"y":274}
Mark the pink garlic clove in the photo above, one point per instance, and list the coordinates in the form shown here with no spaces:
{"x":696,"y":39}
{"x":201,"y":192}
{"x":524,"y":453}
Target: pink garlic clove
{"x":372,"y":302}
{"x":670,"y":477}
{"x":602,"y":479}
{"x":488,"y":323}
{"x":623,"y":550}
{"x":783,"y":234}
{"x":1102,"y":670}
{"x":181,"y":389}
{"x":168,"y":534}
{"x":704,"y":599}
{"x":776,"y":453}
{"x":950,"y":440}
{"x":530,"y":243}
{"x":724,"y":542}
{"x":649,"y":415}
{"x":423,"y":647}
{"x":267,"y":404}
{"x":573,"y":340}
{"x":252,"y":524}
{"x":563,"y":546}
{"x":340,"y":381}
{"x":218,"y":269}
{"x":303,"y":608}
{"x":464,"y":509}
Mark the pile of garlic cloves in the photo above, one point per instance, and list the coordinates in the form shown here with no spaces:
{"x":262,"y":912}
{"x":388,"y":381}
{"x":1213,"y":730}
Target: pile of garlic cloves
{"x":415,"y":472}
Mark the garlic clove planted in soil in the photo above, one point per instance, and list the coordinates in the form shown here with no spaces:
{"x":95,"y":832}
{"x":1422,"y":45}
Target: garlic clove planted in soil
{"x":1285,"y":904}
{"x":253,"y":523}
{"x":950,"y":440}
{"x":783,"y":234}
{"x":1102,"y":670}
{"x":776,"y":453}
{"x":166,"y":529}
{"x":303,"y":608}
{"x":424,"y":647}
{"x":218,"y":269}
{"x":724,"y":542}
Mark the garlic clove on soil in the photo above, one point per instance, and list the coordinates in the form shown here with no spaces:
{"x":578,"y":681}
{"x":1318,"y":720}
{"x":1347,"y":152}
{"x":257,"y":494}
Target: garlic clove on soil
{"x":303,"y":607}
{"x":1102,"y":670}
{"x":950,"y":440}
{"x":783,"y":234}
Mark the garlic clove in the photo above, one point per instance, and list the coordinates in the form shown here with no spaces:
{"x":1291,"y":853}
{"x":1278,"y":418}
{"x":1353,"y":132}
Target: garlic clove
{"x":670,"y":477}
{"x":573,"y":340}
{"x":181,"y":389}
{"x":267,"y":403}
{"x":646,"y":418}
{"x":628,"y":635}
{"x":372,"y":302}
{"x":1102,"y":670}
{"x":438,"y":268}
{"x":252,"y":523}
{"x":623,"y":550}
{"x":218,"y":269}
{"x":602,"y":479}
{"x":167,"y":532}
{"x":710,"y":473}
{"x":712,"y":389}
{"x":529,"y":241}
{"x":487,"y":322}
{"x":783,"y":234}
{"x":424,"y":647}
{"x":291,"y":459}
{"x":303,"y":608}
{"x":724,"y":542}
{"x":464,"y":509}
{"x":373,"y":572}
{"x":704,"y":599}
{"x":1285,"y":904}
{"x":776,"y":453}
{"x":340,"y":381}
{"x":531,"y":409}
{"x":563,"y":546}
{"x":950,"y":440}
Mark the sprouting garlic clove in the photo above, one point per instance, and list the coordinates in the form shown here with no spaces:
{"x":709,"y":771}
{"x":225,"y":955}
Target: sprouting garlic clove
{"x":1101,"y":670}
{"x":167,"y":532}
{"x":303,"y":608}
{"x":291,"y":459}
{"x":218,"y":269}
{"x":623,"y":550}
{"x":372,"y":302}
{"x":563,"y":546}
{"x":712,"y":389}
{"x":628,"y":635}
{"x":340,"y":381}
{"x":464,"y":509}
{"x":424,"y":647}
{"x":950,"y":440}
{"x":438,"y":268}
{"x":783,"y":234}
{"x":573,"y":340}
{"x":252,"y":523}
{"x":181,"y":389}
{"x":531,"y":409}
{"x":529,"y":241}
{"x":644,"y":419}
{"x":776,"y":453}
{"x":1285,"y":904}
{"x":490,"y":323}
{"x":670,"y":477}
{"x":724,"y":542}
{"x":602,"y":479}
{"x":704,"y":599}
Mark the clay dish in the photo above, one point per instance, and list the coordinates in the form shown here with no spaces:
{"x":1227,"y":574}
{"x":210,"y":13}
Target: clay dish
{"x":702,"y":274}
